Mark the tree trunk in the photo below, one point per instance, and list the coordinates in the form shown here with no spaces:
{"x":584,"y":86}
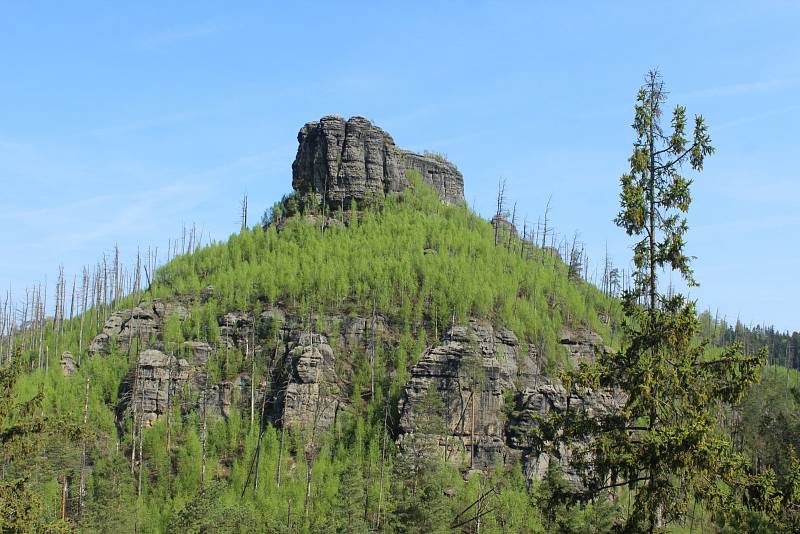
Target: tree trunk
{"x":203,"y":464}
{"x":472,"y":433}
{"x":82,"y":487}
{"x":133,"y":416}
{"x":64,"y":498}
{"x":141,"y":443}
{"x":252,"y":380}
{"x":383,"y":462}
{"x":169,"y":403}
{"x":652,"y":201}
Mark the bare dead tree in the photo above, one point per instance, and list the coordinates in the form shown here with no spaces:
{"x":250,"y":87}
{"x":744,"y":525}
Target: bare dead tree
{"x":141,"y":440}
{"x":58,"y":320}
{"x":133,"y":414}
{"x":254,"y":471}
{"x":283,"y":431}
{"x":372,"y":356}
{"x":501,"y":192}
{"x":64,"y":491}
{"x":524,"y":237}
{"x":137,"y":277}
{"x":41,"y":330}
{"x":252,"y":377}
{"x":383,"y":463}
{"x":512,"y":227}
{"x":244,"y":212}
{"x":84,"y":297}
{"x":24,"y":323}
{"x":117,"y":280}
{"x":546,"y":221}
{"x":169,"y":400}
{"x":105,"y":290}
{"x":72,"y":300}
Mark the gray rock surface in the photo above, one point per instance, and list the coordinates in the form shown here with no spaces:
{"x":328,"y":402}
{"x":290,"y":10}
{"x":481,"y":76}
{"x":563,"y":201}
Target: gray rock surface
{"x":144,"y":322}
{"x":68,"y":364}
{"x":159,"y":379}
{"x":537,"y":402}
{"x":491,"y":386}
{"x":343,"y":160}
{"x":313,"y":392}
{"x":510,"y":393}
{"x":581,"y":343}
{"x":472,"y":370}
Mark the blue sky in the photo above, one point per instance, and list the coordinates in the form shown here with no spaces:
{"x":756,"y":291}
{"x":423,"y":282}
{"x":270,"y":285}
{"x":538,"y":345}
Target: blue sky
{"x":121,"y":124}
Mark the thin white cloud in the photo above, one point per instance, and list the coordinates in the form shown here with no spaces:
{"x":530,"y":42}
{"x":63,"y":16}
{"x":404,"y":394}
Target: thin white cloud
{"x":747,"y":119}
{"x":12,"y":146}
{"x":146,"y":124}
{"x":750,"y":225}
{"x":745,"y":88}
{"x":181,"y":33}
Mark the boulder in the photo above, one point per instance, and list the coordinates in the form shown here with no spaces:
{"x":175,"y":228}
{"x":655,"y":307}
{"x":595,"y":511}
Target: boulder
{"x":68,"y":364}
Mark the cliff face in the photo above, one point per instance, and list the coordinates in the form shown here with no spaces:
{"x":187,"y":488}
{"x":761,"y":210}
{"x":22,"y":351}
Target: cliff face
{"x":344,"y":160}
{"x":492,"y":386}
{"x":494,"y":394}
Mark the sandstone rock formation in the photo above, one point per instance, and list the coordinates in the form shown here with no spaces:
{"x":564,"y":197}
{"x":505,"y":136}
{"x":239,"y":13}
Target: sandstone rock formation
{"x":492,"y":386}
{"x":581,"y":343}
{"x":311,"y":396}
{"x":350,"y":160}
{"x":68,"y":364}
{"x":159,"y":378}
{"x":471,"y":370}
{"x":488,"y":366}
{"x":143,"y":322}
{"x":536,"y":402}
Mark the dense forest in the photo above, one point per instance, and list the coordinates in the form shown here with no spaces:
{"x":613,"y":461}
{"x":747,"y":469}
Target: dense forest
{"x":699,"y":434}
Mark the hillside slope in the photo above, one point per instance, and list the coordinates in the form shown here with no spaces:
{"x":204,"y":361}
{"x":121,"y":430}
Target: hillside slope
{"x":273,"y":368}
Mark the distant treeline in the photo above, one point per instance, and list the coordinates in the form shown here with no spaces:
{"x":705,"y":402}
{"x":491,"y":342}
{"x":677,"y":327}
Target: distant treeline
{"x":783,"y":347}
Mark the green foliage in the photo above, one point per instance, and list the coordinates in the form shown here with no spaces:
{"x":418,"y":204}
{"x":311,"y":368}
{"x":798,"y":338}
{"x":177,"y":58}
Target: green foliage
{"x":662,"y":441}
{"x":24,"y":433}
{"x":654,"y":195}
{"x":418,"y":261}
{"x":207,"y":511}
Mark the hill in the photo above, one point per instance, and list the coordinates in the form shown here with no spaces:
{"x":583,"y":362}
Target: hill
{"x":374,"y":356}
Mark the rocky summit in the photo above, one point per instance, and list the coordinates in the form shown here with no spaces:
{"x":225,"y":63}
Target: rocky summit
{"x":345,"y":160}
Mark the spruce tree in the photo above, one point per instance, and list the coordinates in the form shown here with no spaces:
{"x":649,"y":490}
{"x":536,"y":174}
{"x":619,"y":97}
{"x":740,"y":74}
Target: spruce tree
{"x":654,"y":194}
{"x":660,"y":439}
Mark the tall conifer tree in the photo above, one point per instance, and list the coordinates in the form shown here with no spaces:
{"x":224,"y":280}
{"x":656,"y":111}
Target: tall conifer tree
{"x":661,"y":438}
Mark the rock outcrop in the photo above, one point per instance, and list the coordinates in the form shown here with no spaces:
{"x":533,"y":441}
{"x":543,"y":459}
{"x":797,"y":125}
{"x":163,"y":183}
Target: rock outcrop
{"x":68,"y":364}
{"x":581,"y":344}
{"x":144,"y":322}
{"x":342,"y":161}
{"x":471,"y":371}
{"x":534,"y":403}
{"x":494,"y":394}
{"x":312,"y":394}
{"x":159,"y":378}
{"x":491,"y":388}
